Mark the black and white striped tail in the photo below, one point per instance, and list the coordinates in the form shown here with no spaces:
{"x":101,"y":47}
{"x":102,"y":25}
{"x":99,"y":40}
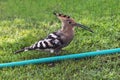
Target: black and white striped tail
{"x":24,"y":49}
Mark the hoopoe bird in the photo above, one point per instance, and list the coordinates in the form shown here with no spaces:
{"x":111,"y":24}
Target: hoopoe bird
{"x":55,"y":41}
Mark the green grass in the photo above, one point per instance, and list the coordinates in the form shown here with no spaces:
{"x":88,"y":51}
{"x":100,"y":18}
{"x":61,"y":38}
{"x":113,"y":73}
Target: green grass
{"x":23,"y":22}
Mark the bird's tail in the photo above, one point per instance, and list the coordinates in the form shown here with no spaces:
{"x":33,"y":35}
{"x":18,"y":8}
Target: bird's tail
{"x":22,"y":50}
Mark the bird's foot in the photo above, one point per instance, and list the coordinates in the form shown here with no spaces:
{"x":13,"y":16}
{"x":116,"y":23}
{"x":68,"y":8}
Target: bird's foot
{"x":51,"y":64}
{"x":57,"y":54}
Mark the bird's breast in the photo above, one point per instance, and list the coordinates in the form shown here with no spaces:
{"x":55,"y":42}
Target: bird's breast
{"x":67,"y":38}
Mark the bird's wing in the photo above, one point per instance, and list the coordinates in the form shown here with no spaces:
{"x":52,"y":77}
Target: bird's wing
{"x":52,"y":41}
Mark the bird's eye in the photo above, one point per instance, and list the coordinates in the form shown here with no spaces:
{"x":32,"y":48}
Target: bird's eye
{"x":69,"y":22}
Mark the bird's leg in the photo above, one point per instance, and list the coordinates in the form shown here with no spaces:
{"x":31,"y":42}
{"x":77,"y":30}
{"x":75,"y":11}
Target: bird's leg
{"x":65,"y":51}
{"x":57,"y":53}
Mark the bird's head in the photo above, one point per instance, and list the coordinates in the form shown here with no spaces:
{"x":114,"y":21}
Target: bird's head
{"x":70,"y":22}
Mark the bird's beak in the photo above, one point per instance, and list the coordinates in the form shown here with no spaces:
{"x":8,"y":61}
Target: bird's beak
{"x":84,"y":27}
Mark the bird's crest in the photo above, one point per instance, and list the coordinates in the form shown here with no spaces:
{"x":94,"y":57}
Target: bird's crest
{"x":63,"y":17}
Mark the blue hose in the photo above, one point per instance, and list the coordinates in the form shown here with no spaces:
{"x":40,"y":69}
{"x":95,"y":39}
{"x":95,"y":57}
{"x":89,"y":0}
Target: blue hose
{"x":58,"y":58}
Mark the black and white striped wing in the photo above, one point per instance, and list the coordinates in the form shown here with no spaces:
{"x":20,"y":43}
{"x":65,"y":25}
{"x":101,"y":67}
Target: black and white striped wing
{"x":51,"y":42}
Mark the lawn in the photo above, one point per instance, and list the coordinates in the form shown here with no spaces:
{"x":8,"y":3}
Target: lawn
{"x":23,"y":22}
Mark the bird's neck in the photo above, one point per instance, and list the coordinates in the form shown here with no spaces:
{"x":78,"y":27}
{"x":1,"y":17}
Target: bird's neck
{"x":68,"y":30}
